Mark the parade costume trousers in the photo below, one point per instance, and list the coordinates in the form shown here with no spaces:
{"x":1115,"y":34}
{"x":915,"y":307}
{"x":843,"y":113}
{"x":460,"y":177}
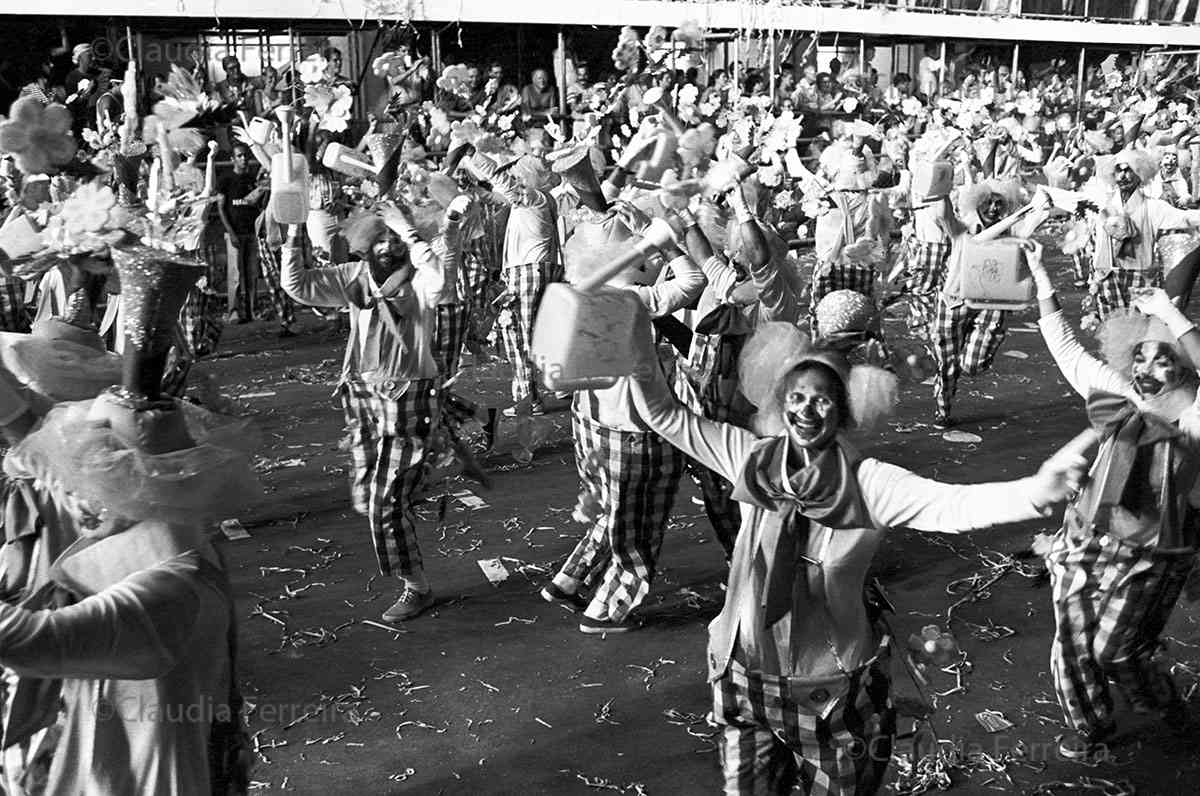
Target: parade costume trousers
{"x":924,"y":274}
{"x":773,"y":741}
{"x":527,"y":283}
{"x":14,"y":317}
{"x":269,"y":259}
{"x":1111,"y":603}
{"x":389,"y":443}
{"x":1113,"y":292}
{"x":637,"y":479}
{"x":965,"y":341}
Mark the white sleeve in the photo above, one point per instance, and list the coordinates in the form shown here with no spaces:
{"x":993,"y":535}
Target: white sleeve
{"x":897,"y":497}
{"x":1083,"y":372}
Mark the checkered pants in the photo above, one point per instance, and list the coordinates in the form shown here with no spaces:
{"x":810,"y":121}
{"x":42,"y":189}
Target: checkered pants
{"x":637,"y":480}
{"x":527,"y":283}
{"x":14,"y":317}
{"x":390,"y":440}
{"x":924,"y":273}
{"x":772,"y":741}
{"x":860,"y":278}
{"x":269,"y":259}
{"x":965,"y":341}
{"x":1114,"y":290}
{"x":449,"y":333}
{"x":1111,"y":603}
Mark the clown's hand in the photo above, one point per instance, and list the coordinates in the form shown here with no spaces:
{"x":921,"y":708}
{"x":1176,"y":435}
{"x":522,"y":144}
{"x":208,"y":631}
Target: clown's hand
{"x":1155,"y":301}
{"x":458,"y":206}
{"x":1058,"y":479}
{"x":1041,"y":277}
{"x":399,"y":220}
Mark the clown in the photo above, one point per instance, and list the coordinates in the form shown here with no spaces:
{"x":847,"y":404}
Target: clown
{"x":796,"y":659}
{"x":1126,"y":228}
{"x":390,"y":387}
{"x":964,"y":339}
{"x":1129,"y":538}
{"x":638,"y":473}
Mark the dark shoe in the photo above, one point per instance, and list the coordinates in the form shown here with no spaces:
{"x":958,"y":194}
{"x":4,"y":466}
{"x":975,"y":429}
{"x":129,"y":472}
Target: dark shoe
{"x":470,"y":467}
{"x":537,"y":409}
{"x":1076,"y":745}
{"x":941,"y":420}
{"x":285,"y":333}
{"x":603,"y":627}
{"x":552,"y":594}
{"x":411,"y":603}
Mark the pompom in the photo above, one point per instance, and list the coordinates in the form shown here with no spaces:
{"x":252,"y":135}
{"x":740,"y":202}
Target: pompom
{"x":873,"y":396}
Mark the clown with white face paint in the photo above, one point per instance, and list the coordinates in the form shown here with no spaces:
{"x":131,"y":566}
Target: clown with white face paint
{"x":1129,"y":538}
{"x":798,"y":659}
{"x":1169,"y":182}
{"x":1126,"y":228}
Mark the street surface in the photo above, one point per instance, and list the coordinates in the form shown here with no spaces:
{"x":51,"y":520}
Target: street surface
{"x":496,"y":692}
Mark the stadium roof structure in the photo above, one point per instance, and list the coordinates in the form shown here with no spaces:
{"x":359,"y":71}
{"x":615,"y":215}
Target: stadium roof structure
{"x":711,"y":14}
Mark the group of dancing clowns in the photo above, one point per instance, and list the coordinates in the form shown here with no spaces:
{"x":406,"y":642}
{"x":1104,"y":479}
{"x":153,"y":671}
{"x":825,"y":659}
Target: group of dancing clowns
{"x":762,"y":383}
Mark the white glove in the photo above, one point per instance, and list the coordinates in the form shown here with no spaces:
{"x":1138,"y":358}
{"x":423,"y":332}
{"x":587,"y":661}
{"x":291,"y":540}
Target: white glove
{"x":458,"y":206}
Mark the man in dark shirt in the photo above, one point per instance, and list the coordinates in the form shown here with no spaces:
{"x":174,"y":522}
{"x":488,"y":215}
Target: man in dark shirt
{"x":243,"y":197}
{"x":83,"y":88}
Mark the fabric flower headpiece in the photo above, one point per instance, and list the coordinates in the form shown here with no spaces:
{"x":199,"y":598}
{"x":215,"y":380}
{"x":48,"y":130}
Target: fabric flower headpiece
{"x":39,"y":137}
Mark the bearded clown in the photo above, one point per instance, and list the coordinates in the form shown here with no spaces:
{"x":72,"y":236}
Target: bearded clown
{"x":1129,"y":538}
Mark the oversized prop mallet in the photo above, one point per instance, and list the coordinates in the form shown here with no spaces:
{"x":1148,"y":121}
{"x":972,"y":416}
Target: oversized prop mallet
{"x":289,"y":177}
{"x":584,"y":336}
{"x":344,"y":160}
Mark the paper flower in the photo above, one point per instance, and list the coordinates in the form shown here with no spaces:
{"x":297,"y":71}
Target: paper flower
{"x":626,"y":54}
{"x":849,"y":104}
{"x":911,"y":106}
{"x":455,"y":80}
{"x":38,"y":137}
{"x":689,"y":34}
{"x":388,"y":65}
{"x":86,"y":210}
{"x":336,"y":116}
{"x":688,"y":94}
{"x":312,"y":69}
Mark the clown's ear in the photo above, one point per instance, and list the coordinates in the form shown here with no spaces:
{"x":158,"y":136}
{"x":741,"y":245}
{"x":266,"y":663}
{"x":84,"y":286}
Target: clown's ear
{"x":873,"y":395}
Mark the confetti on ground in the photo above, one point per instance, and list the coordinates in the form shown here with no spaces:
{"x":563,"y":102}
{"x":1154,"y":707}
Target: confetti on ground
{"x":493,"y":570}
{"x":512,"y":619}
{"x":234,"y":530}
{"x":1015,"y":354}
{"x":993,"y":721}
{"x":962,"y":437}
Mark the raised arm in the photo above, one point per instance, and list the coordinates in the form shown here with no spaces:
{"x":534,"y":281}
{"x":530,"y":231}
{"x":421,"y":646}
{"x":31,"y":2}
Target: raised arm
{"x":1083,"y":372}
{"x":719,"y":446}
{"x":314,"y":287}
{"x":684,"y":287}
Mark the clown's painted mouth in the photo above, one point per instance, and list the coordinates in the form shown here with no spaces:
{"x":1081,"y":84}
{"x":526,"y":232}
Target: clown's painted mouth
{"x":1148,"y":386}
{"x":805,"y":429}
